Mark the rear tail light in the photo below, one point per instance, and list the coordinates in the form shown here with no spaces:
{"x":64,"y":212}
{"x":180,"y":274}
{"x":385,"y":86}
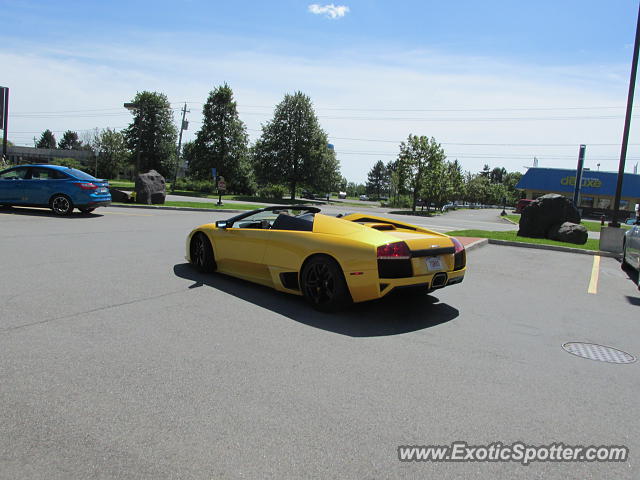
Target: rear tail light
{"x":87,"y":186}
{"x":394,"y":251}
{"x":460,"y":255}
{"x":457,"y":244}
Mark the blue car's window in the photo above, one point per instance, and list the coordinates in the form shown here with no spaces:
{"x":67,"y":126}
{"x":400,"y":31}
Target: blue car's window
{"x":38,"y":173}
{"x":80,"y":175}
{"x":14,"y":173}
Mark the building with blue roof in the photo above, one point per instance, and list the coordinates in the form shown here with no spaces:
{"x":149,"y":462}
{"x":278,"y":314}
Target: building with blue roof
{"x":597,"y":192}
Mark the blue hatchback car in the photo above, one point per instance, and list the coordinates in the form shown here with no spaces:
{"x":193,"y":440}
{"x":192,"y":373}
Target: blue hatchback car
{"x":60,"y":188}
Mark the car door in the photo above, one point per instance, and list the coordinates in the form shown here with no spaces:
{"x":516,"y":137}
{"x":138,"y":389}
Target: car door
{"x":11,"y":185}
{"x":633,"y":247}
{"x":40,"y":184}
{"x":239,"y":248}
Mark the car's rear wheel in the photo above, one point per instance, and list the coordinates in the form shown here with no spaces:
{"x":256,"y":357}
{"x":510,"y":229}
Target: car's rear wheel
{"x":323,"y":284}
{"x":87,"y":210}
{"x":201,"y":253}
{"x":61,"y":205}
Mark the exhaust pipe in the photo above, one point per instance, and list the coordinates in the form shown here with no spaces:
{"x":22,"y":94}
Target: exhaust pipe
{"x":439,"y":280}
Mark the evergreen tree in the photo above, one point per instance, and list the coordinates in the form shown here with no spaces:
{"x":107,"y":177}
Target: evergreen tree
{"x":222,"y":143}
{"x":70,"y":141}
{"x":152,"y":135}
{"x":377,"y":179}
{"x":47,"y":140}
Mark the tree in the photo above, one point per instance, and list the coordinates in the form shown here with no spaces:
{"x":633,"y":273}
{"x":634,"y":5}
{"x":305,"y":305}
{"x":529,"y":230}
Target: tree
{"x":422,"y":158}
{"x":293,"y":149}
{"x":456,"y":180}
{"x":477,"y":188}
{"x":47,"y":140}
{"x":486,"y":171}
{"x":377,"y":179}
{"x":70,"y":141}
{"x":111,"y":152}
{"x":497,"y":175}
{"x":222,"y":143}
{"x":152,"y":134}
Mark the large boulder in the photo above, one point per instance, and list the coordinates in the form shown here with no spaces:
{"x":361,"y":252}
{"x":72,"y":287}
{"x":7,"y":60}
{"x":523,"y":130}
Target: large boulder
{"x":150,"y":188}
{"x":569,"y":232}
{"x":544,"y":212}
{"x":119,"y":196}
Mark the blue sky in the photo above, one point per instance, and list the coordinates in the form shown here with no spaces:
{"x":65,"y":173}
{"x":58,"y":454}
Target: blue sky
{"x":497,"y":82}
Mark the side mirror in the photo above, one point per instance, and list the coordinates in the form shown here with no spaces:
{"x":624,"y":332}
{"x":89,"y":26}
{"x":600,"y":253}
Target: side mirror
{"x":221,"y":224}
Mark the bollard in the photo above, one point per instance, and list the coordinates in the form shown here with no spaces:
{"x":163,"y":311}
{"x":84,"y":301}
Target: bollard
{"x":602,"y":220}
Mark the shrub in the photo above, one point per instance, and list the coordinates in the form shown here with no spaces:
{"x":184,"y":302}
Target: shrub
{"x":67,"y":162}
{"x":272,"y":191}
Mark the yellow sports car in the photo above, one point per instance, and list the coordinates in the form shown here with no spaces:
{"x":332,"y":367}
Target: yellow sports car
{"x":330,"y":260}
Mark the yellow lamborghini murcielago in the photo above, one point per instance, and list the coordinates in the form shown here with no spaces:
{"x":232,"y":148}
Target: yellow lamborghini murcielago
{"x":330,"y":260}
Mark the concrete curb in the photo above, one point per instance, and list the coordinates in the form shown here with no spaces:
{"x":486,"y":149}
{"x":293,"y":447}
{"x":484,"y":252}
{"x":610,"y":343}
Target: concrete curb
{"x":557,"y":248}
{"x":477,"y":244}
{"x":508,"y":220}
{"x":188,"y":209}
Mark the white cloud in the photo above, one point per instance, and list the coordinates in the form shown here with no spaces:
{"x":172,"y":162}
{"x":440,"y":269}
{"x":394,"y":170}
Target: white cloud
{"x":331,"y":11}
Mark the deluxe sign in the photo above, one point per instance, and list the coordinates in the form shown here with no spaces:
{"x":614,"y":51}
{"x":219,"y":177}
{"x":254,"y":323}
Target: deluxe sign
{"x":586,"y":182}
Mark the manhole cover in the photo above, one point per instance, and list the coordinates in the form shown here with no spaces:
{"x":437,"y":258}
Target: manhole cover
{"x":601,"y":353}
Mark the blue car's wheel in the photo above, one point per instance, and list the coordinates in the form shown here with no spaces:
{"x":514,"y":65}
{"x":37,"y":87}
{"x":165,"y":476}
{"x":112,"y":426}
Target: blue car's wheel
{"x":61,"y":204}
{"x":201,"y":253}
{"x":323,"y":284}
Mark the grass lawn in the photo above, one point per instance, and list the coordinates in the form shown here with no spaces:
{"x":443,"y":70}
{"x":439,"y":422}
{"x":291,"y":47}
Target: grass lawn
{"x":124,"y":184}
{"x":590,"y":225}
{"x":212,"y":206}
{"x":592,"y":243}
{"x":417,"y":213}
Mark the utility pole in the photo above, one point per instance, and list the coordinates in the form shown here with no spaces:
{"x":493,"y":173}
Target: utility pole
{"x":4,"y":118}
{"x":576,"y":190}
{"x":627,"y":125}
{"x":184,"y":125}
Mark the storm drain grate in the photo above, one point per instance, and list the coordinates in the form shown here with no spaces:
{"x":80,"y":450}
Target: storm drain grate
{"x":601,"y":353}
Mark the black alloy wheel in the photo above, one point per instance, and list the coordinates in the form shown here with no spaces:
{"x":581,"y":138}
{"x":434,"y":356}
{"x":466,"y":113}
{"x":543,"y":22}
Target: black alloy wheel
{"x":202,"y":253}
{"x":61,"y":205}
{"x":323,"y":284}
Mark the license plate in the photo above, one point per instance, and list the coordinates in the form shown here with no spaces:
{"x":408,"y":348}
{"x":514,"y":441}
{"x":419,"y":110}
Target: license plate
{"x":102,"y":190}
{"x":434,"y":263}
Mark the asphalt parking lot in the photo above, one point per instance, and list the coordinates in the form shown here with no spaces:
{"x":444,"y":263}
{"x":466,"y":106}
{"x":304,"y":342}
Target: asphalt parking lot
{"x":117,"y":360}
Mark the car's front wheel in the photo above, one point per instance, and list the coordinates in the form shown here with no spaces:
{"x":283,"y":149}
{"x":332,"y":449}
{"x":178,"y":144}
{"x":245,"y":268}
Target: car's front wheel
{"x":61,"y":205}
{"x":323,"y":284}
{"x":201,"y":253}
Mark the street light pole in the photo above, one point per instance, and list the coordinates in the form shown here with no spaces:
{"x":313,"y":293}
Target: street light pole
{"x":627,"y":125}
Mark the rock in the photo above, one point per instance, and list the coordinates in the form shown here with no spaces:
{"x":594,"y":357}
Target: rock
{"x":569,"y":232}
{"x":544,"y":212}
{"x":150,"y":188}
{"x":119,"y":196}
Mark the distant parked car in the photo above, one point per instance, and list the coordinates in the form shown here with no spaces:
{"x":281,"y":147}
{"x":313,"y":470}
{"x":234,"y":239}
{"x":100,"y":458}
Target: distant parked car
{"x":60,"y":188}
{"x":364,"y":198}
{"x":522,"y":204}
{"x":342,"y":195}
